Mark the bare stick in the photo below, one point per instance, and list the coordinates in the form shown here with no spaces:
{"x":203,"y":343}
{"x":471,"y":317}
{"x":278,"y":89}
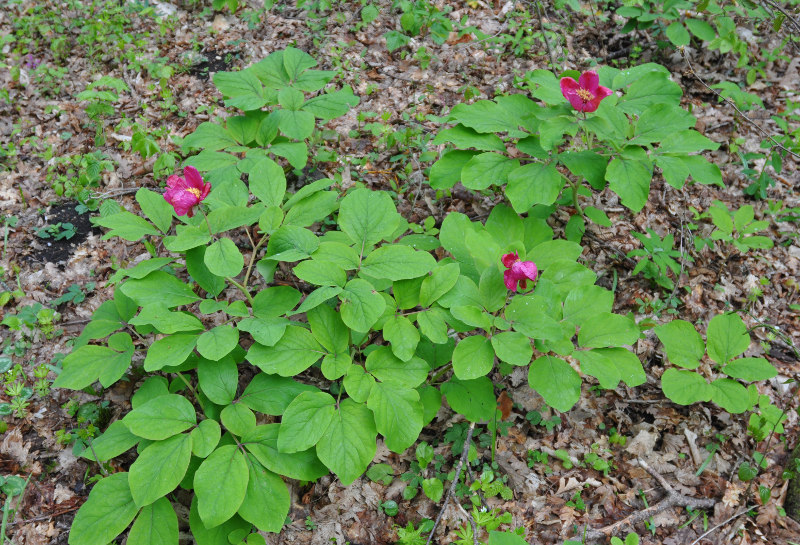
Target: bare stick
{"x":776,"y":6}
{"x":673,"y":499}
{"x":732,"y":105}
{"x":452,"y":488}
{"x":721,"y":524}
{"x":544,"y":35}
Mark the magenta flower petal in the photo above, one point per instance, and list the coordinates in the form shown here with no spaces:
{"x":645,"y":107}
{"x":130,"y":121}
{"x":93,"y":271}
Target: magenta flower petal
{"x":510,"y":280}
{"x":589,"y":81}
{"x":193,"y":178}
{"x":186,"y":193}
{"x":509,"y":259}
{"x":526,"y":269}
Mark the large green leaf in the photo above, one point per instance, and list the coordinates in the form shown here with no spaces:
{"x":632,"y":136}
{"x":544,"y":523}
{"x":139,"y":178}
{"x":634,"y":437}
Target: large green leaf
{"x":223,"y":258}
{"x":161,"y":417}
{"x":402,"y":336}
{"x":107,"y":512}
{"x":242,"y":88}
{"x":217,"y":535}
{"x":218,"y":342}
{"x":291,"y":243}
{"x":730,"y":395}
{"x":210,"y":136}
{"x":271,"y":394}
{"x":305,"y":420}
{"x":113,"y":442}
{"x":156,"y":208}
{"x":610,"y":365}
{"x":683,"y":344}
{"x":727,"y":337}
{"x":584,"y":302}
{"x":166,"y":321}
{"x":169,"y":351}
{"x":267,"y":501}
{"x":367,"y":217}
{"x":441,"y":281}
{"x":607,"y":329}
{"x":331,"y":105}
{"x":486,"y":169}
{"x":295,"y":352}
{"x":750,"y":369}
{"x":534,"y":183}
{"x":221,"y":485}
{"x":218,"y":380}
{"x":262,"y":442}
{"x":465,"y":137}
{"x":348,"y":445}
{"x":156,"y":523}
{"x":90,"y":363}
{"x":159,"y":468}
{"x":473,"y":357}
{"x":397,"y":262}
{"x":159,"y":287}
{"x":361,"y":305}
{"x":472,"y":398}
{"x":630,"y":179}
{"x":387,"y":367}
{"x":125,"y":225}
{"x":557,"y":382}
{"x":512,"y":347}
{"x":685,"y":387}
{"x":398,"y":414}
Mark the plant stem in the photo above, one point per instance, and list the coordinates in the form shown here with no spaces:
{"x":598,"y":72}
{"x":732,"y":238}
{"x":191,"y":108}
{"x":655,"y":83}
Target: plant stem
{"x":256,"y":247}
{"x":242,"y":288}
{"x":189,"y":385}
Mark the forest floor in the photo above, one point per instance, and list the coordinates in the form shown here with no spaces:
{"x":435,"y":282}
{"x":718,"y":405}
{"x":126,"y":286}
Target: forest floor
{"x":166,"y":63}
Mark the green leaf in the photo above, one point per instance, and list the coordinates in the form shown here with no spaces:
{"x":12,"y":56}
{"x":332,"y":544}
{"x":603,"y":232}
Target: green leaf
{"x":291,"y":243}
{"x":169,"y":351}
{"x":126,"y":226}
{"x":447,"y":171}
{"x":727,"y":337}
{"x":266,"y":503}
{"x":402,"y":336}
{"x":266,"y":331}
{"x":89,"y":363}
{"x":630,"y":179}
{"x":107,"y":512}
{"x":320,"y":273}
{"x":318,"y":297}
{"x":512,"y":347}
{"x":730,"y":395}
{"x":584,"y":302}
{"x":527,"y":316}
{"x":660,"y":121}
{"x":484,"y":116}
{"x":398,"y":414}
{"x":218,"y":380}
{"x":607,"y":329}
{"x":555,"y":381}
{"x":218,"y":342}
{"x":465,"y":137}
{"x":610,"y":365}
{"x":683,"y":344}
{"x":221,"y":485}
{"x":314,"y":208}
{"x":677,"y":34}
{"x":701,"y":29}
{"x":750,"y":369}
{"x":348,"y":446}
{"x":441,"y":281}
{"x":685,"y":387}
{"x":433,"y":488}
{"x":472,"y":398}
{"x":297,"y":125}
{"x":188,"y":237}
{"x":275,"y":301}
{"x":165,"y":321}
{"x":332,"y":105}
{"x":162,"y":417}
{"x":586,"y":164}
{"x":159,"y":469}
{"x":486,"y":169}
{"x":534,"y":183}
{"x":652,"y":88}
{"x":386,"y":367}
{"x":328,"y":329}
{"x":305,"y":421}
{"x":156,"y":208}
{"x":361,"y":305}
{"x":210,"y":136}
{"x":156,"y":523}
{"x":223,"y":258}
{"x":113,"y":442}
{"x":217,"y":535}
{"x":262,"y":442}
{"x":159,"y":287}
{"x":358,"y":383}
{"x":294,"y":152}
{"x":242,"y":88}
{"x":367,"y":217}
{"x":431,"y":324}
{"x":230,"y":217}
{"x":294,"y":353}
{"x":205,"y":438}
{"x":685,"y":142}
{"x":507,"y":538}
{"x":271,"y":394}
{"x":473,"y":357}
{"x":238,"y":419}
{"x":397,"y":262}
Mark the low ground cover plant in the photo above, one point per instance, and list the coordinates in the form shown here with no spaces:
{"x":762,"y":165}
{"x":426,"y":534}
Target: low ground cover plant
{"x":278,"y":333}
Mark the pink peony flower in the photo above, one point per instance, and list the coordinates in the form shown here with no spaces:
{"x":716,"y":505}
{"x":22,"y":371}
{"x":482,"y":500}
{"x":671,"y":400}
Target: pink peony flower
{"x":518,"y":271}
{"x":186,"y":193}
{"x":586,"y":93}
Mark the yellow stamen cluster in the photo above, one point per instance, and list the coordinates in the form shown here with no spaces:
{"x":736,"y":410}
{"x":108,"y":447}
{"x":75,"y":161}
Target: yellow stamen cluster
{"x":194,"y":191}
{"x":585,"y":95}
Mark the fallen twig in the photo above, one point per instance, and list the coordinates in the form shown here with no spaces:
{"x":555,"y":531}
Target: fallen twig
{"x":721,"y":524}
{"x":673,"y":499}
{"x":452,"y":488}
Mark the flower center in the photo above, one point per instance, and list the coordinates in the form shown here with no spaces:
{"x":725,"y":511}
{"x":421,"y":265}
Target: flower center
{"x":587,"y":96}
{"x":194,"y":191}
